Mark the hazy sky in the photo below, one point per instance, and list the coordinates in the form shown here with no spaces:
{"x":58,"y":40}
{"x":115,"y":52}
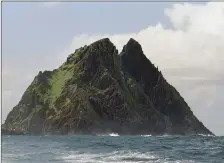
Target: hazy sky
{"x":186,"y":42}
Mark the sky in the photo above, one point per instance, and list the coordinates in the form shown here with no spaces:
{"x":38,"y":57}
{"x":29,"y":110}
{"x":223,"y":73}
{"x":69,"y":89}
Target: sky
{"x":185,"y":40}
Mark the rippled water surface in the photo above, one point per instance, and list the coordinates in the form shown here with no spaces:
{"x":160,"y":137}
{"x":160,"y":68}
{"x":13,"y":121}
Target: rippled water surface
{"x":112,"y":148}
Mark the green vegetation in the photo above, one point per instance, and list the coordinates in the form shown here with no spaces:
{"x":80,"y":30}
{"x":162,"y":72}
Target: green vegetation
{"x":57,"y":82}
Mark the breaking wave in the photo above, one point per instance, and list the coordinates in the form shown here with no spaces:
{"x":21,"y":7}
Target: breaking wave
{"x":107,"y":148}
{"x":114,"y":134}
{"x":146,"y":135}
{"x":206,"y":135}
{"x":119,"y":157}
{"x":110,"y":134}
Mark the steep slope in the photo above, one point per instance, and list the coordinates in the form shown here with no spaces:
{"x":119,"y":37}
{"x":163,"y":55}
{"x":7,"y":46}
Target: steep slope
{"x":164,"y":97}
{"x":97,"y":91}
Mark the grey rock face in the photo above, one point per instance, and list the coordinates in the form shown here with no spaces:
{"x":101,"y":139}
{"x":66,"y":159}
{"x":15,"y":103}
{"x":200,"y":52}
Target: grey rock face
{"x":98,"y":90}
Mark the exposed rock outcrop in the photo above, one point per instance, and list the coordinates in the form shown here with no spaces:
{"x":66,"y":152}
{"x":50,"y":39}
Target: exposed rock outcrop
{"x":97,"y":91}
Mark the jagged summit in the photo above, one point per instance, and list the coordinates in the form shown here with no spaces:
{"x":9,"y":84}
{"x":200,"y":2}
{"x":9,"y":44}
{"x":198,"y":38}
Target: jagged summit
{"x":102,"y":45}
{"x":136,"y":63}
{"x":103,"y":40}
{"x":98,"y":91}
{"x":133,"y":47}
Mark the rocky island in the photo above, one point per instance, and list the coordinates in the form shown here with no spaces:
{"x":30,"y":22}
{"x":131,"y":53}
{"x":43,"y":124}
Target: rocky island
{"x":98,"y":90}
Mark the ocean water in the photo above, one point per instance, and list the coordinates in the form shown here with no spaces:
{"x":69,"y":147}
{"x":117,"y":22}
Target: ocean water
{"x":113,"y":149}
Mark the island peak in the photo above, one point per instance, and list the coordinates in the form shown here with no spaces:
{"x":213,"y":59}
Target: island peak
{"x":98,"y":90}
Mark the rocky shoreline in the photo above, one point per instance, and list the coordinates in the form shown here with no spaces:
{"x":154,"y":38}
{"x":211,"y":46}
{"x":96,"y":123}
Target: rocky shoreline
{"x":12,"y":132}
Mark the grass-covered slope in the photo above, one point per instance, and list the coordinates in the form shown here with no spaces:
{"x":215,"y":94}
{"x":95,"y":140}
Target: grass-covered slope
{"x":97,"y":91}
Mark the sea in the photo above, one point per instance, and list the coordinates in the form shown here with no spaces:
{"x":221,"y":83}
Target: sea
{"x":113,"y":148}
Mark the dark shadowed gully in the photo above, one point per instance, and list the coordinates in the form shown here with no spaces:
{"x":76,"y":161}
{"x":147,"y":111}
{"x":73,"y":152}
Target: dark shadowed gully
{"x":97,"y":91}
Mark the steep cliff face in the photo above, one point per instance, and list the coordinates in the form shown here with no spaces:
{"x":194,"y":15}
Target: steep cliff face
{"x":98,"y":91}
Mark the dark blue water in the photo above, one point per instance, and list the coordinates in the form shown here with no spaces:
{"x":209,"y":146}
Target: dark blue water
{"x":114,"y":149}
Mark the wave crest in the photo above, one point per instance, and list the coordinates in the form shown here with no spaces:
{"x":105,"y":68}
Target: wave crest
{"x":110,"y":134}
{"x":119,"y":157}
{"x":146,"y":135}
{"x":206,"y":135}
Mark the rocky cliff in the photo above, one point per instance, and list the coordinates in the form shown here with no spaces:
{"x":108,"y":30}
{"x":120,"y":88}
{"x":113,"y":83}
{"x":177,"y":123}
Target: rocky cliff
{"x":98,"y":90}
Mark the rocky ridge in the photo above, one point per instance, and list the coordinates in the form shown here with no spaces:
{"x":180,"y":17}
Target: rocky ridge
{"x":98,"y":90}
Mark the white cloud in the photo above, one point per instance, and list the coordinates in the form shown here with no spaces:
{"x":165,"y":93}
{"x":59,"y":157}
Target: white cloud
{"x":190,"y":55}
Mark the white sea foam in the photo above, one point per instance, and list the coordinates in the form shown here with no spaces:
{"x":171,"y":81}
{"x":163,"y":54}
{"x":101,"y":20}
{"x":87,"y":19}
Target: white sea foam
{"x":146,"y":135}
{"x":114,"y":134}
{"x":206,"y":135}
{"x":119,"y":157}
{"x":165,"y":135}
{"x":110,"y":134}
